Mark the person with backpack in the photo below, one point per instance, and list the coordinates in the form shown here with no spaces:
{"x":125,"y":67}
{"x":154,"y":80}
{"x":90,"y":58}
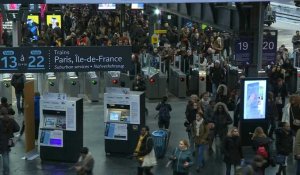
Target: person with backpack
{"x":261,"y":146}
{"x":164,"y":113}
{"x":284,"y":146}
{"x":18,"y":82}
{"x":7,"y":128}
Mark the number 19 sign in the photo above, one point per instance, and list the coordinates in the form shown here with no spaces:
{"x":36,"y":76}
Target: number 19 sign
{"x":243,"y":49}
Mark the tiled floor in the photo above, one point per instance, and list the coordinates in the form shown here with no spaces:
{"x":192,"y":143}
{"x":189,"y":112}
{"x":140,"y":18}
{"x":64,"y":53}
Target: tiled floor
{"x":114,"y":165}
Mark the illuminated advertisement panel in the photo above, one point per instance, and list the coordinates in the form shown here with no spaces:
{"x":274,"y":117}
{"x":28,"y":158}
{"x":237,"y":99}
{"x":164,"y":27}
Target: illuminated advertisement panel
{"x":54,"y":19}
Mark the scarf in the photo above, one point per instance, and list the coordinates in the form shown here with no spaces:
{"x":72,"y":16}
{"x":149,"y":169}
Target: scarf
{"x":198,"y":124}
{"x":138,"y":147}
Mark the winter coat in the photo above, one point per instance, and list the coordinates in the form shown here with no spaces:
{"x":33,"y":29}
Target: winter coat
{"x":4,"y":137}
{"x":284,"y":141}
{"x":18,"y":81}
{"x":179,"y":157}
{"x":297,"y":143}
{"x":164,"y":111}
{"x":202,"y":135}
{"x":147,"y":145}
{"x":139,"y":85}
{"x":221,"y":120}
{"x":190,"y":113}
{"x":232,"y":148}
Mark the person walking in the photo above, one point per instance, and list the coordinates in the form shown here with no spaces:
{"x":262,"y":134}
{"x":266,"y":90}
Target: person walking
{"x":232,"y":149}
{"x":7,"y":128}
{"x":221,"y":119}
{"x":261,"y":146}
{"x":284,"y":146}
{"x":144,"y":147}
{"x":181,"y":159}
{"x":18,"y":82}
{"x":5,"y":104}
{"x":200,"y":136}
{"x":297,"y":151}
{"x":164,"y":113}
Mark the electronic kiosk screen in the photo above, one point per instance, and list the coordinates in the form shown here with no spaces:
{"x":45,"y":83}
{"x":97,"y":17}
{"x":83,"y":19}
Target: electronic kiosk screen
{"x":114,"y":115}
{"x":255,"y":92}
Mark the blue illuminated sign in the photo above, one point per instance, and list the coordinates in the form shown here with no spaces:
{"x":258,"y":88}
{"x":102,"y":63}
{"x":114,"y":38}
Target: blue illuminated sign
{"x":65,"y":59}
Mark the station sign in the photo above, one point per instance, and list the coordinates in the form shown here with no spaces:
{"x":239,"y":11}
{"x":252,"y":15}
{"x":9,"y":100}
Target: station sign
{"x":65,"y":59}
{"x":244,"y":48}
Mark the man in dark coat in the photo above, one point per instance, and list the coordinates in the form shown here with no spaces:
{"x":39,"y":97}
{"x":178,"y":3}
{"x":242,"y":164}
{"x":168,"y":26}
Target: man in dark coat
{"x":18,"y":82}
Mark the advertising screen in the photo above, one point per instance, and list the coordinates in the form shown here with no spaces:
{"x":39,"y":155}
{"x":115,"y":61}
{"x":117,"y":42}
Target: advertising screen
{"x":33,"y":21}
{"x":137,"y":6}
{"x":106,"y":6}
{"x":255,"y":92}
{"x":12,"y":7}
{"x":54,"y":19}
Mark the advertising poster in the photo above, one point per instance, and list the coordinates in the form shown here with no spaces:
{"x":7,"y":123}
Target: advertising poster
{"x":54,"y":20}
{"x":33,"y":22}
{"x":135,"y":110}
{"x":71,"y":116}
{"x":52,"y":138}
{"x":255,"y":99}
{"x":116,"y":131}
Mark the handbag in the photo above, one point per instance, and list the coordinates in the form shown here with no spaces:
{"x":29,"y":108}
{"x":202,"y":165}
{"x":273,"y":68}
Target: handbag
{"x":296,"y":122}
{"x":149,"y":159}
{"x":280,"y":159}
{"x":11,"y":142}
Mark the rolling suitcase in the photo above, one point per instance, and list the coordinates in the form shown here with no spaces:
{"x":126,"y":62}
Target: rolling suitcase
{"x":160,"y":141}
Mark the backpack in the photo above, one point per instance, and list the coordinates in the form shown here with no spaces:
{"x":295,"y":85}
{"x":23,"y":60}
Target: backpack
{"x":164,"y":113}
{"x":261,"y":150}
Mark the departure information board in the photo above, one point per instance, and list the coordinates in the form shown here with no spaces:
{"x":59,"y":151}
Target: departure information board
{"x":65,"y":59}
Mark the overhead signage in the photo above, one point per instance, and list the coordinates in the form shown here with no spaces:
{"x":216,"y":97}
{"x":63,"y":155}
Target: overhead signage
{"x":160,"y":31}
{"x":23,"y":1}
{"x":65,"y":59}
{"x":144,"y":1}
{"x":269,"y":46}
{"x":244,"y":48}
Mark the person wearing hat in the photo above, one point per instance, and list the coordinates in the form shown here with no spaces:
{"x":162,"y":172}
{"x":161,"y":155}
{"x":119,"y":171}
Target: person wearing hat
{"x":85,"y":164}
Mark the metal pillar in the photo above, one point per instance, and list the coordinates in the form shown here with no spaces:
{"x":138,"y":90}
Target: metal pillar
{"x":257,"y":25}
{"x":16,"y":33}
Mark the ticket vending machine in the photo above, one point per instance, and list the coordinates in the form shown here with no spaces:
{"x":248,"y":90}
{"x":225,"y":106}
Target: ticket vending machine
{"x":124,"y":115}
{"x":72,"y":85}
{"x":52,"y":82}
{"x":92,"y":86}
{"x":6,"y":87}
{"x":61,"y":128}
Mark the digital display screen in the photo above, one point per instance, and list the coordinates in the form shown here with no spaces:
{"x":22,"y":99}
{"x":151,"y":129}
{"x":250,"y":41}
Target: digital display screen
{"x":255,"y":92}
{"x":33,"y":21}
{"x":54,"y":19}
{"x":115,"y":115}
{"x":137,"y":6}
{"x":12,"y":7}
{"x":106,"y":6}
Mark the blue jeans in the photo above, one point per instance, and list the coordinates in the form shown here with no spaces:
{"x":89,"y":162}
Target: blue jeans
{"x":200,"y":159}
{"x":5,"y":160}
{"x":19,"y":105}
{"x":298,"y":167}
